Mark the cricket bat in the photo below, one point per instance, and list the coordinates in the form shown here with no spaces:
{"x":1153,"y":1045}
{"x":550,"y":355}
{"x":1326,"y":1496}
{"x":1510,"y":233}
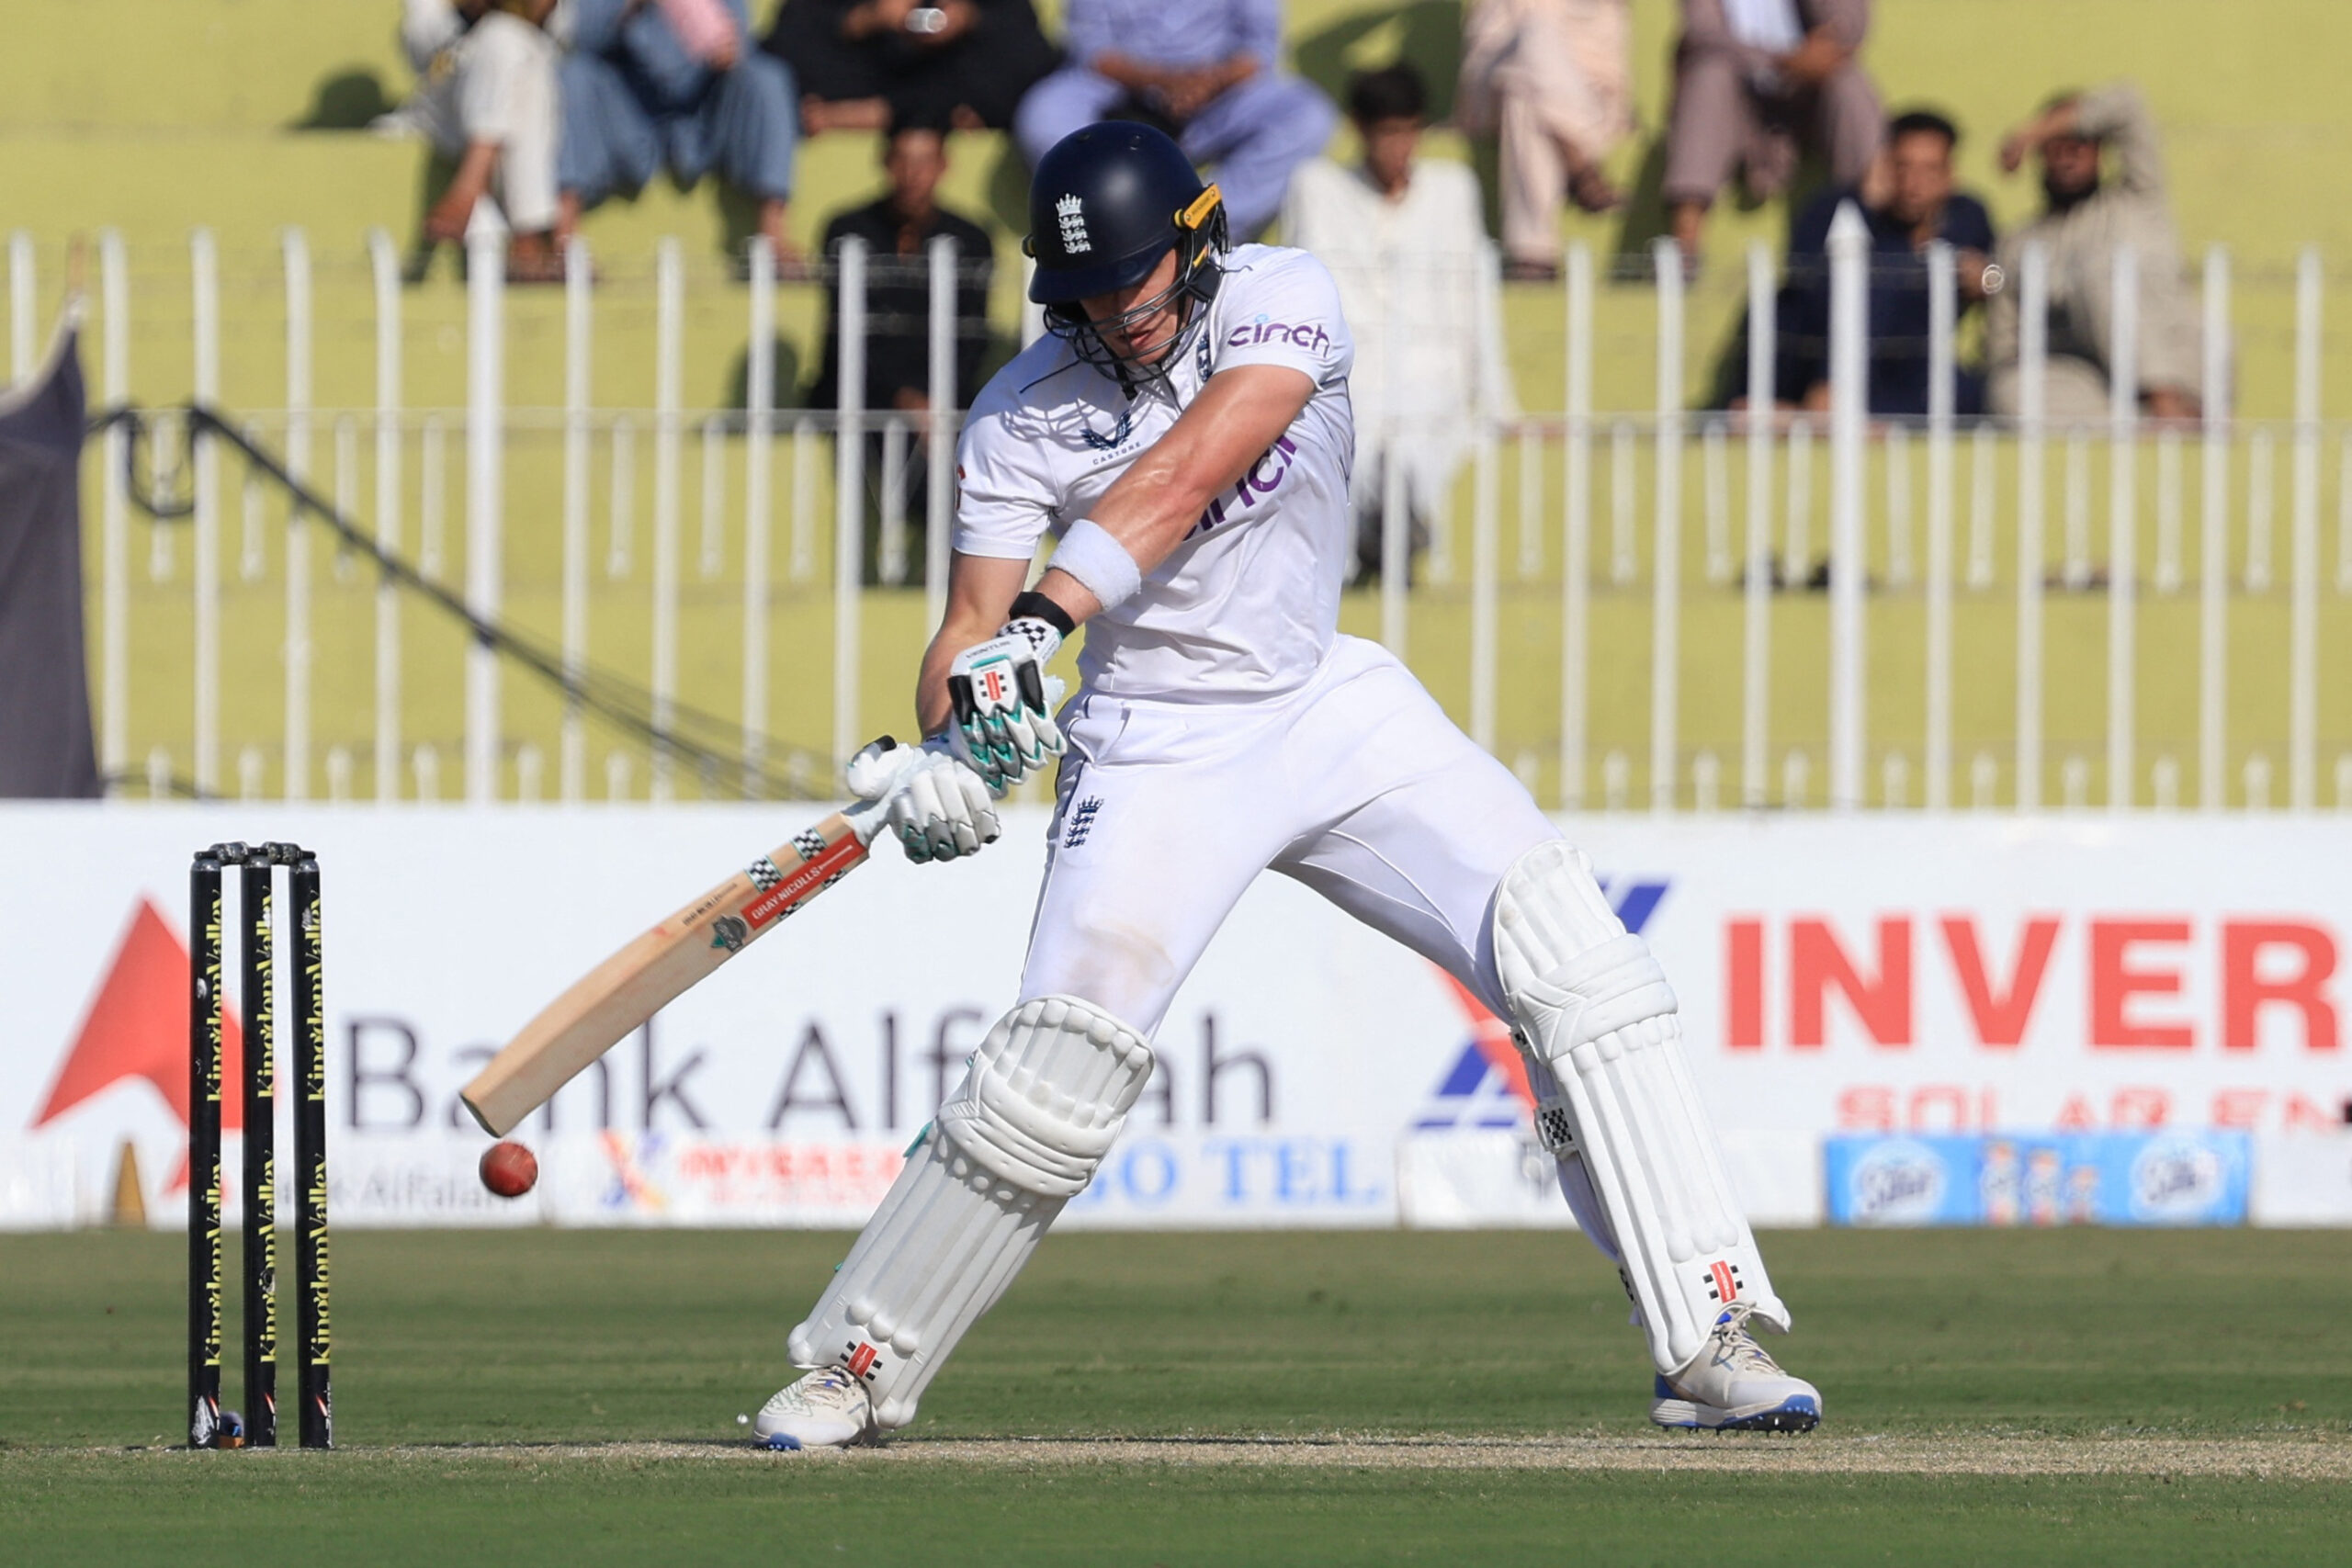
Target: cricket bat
{"x":607,"y":1004}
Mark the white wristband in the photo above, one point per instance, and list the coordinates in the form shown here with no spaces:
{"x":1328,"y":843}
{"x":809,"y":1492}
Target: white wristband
{"x":1099,"y":562}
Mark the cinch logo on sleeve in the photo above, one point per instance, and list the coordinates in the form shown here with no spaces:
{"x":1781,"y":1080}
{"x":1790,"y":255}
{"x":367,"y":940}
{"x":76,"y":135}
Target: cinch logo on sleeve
{"x":1260,"y":480}
{"x":1309,"y":335}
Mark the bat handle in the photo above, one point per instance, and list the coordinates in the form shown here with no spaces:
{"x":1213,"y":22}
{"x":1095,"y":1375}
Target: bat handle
{"x":867,"y":818}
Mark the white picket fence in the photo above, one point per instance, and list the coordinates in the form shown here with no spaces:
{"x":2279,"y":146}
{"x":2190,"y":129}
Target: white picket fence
{"x":1602,"y":455}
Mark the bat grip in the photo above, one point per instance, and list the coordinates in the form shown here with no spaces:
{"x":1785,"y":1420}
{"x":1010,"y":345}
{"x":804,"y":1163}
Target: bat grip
{"x":866,"y":818}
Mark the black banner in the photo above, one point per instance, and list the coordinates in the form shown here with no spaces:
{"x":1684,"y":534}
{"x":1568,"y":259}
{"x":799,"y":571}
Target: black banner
{"x":45,"y":746}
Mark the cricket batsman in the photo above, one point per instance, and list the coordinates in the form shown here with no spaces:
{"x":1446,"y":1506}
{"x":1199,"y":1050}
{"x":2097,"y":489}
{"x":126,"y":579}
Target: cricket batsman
{"x":1183,"y":433}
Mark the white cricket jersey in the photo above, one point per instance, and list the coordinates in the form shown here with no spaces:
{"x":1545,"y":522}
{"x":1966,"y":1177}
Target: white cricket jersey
{"x":1248,"y":605}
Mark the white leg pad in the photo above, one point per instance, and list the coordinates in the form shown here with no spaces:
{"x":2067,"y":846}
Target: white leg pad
{"x":1555,"y":1129}
{"x":1593,"y":1004}
{"x":1046,"y":1094}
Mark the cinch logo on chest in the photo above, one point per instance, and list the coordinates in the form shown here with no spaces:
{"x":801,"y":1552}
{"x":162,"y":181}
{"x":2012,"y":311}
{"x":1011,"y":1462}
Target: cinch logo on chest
{"x":1308,"y":335}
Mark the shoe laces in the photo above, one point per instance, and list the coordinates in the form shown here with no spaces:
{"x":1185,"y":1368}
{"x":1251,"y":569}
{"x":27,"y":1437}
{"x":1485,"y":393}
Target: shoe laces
{"x":1736,"y":1346}
{"x":832,"y":1386}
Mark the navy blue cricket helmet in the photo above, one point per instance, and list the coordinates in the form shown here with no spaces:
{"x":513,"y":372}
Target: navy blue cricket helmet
{"x":1107,"y":203}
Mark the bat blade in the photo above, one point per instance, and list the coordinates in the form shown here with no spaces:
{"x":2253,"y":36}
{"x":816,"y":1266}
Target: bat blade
{"x":607,"y":1004}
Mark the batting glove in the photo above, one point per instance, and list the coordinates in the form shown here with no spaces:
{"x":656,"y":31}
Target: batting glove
{"x":1002,"y":700}
{"x":932,"y":799}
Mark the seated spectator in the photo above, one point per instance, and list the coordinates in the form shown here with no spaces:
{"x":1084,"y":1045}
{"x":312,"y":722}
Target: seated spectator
{"x":1908,"y":202}
{"x":897,"y":230}
{"x":650,"y":82}
{"x":1405,"y":240}
{"x":867,"y":64}
{"x":1553,"y":81}
{"x":1756,"y":83}
{"x":1207,"y":72}
{"x":2084,"y":218}
{"x":486,"y":99}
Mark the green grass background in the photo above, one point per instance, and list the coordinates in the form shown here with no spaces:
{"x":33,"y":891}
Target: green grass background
{"x":533,"y":1338}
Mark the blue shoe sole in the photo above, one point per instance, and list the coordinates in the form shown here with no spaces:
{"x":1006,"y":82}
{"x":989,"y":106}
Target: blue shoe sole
{"x":1795,"y":1415}
{"x":1799,"y":1414}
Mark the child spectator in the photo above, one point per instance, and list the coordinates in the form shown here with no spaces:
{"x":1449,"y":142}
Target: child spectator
{"x":897,"y":230}
{"x":1407,"y":243}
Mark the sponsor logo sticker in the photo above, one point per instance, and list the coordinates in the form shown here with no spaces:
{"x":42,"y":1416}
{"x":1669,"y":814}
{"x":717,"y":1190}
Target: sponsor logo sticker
{"x":2176,"y":1178}
{"x":829,"y":865}
{"x":1900,"y":1182}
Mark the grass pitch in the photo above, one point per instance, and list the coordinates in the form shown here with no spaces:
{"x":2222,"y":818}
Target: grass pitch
{"x":544,"y":1396}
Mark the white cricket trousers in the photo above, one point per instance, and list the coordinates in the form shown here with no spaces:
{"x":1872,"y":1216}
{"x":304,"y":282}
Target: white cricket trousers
{"x":1356,"y":783}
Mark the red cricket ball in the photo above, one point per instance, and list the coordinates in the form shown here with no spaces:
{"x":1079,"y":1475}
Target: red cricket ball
{"x":509,"y":1170}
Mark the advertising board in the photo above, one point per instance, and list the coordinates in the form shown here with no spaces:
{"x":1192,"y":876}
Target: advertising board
{"x":1898,"y":975}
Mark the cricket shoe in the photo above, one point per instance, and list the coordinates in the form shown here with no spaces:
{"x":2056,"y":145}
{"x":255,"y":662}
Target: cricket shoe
{"x":827,"y":1409}
{"x":1734,"y":1386}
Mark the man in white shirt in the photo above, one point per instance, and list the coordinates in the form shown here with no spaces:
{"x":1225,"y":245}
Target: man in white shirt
{"x":486,"y":99}
{"x":1184,"y":434}
{"x":1406,"y":241}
